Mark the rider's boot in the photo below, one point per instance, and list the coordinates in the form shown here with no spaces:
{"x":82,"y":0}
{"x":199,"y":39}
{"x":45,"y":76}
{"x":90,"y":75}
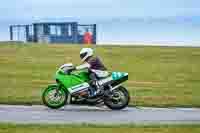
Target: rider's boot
{"x":97,"y":90}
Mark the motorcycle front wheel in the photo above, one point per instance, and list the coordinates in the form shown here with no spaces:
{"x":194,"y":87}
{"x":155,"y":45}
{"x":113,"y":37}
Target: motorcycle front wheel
{"x":53,"y":97}
{"x":118,"y":99}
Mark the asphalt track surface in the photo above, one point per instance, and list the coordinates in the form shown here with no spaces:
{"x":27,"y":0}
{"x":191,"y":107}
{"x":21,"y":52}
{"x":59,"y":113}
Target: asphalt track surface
{"x":97,"y":115}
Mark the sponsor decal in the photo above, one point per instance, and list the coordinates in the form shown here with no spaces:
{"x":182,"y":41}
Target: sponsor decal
{"x":78,"y":87}
{"x":74,"y":87}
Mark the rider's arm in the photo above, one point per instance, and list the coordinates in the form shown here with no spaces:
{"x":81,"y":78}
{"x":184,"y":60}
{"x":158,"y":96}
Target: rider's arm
{"x":83,"y":66}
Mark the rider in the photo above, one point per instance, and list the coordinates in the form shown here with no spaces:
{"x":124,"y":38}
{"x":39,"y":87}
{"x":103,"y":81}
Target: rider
{"x":95,"y":67}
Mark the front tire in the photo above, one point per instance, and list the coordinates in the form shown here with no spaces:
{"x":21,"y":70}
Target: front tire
{"x":118,"y":100}
{"x":54,"y":97}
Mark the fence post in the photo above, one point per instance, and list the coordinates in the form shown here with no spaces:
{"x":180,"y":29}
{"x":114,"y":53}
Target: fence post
{"x":11,"y":33}
{"x":27,"y":33}
{"x":75,"y":32}
{"x":35,"y":32}
{"x":95,"y":34}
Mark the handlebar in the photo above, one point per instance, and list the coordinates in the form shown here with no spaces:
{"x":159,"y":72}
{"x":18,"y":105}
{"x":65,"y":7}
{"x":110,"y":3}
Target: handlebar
{"x":67,"y":70}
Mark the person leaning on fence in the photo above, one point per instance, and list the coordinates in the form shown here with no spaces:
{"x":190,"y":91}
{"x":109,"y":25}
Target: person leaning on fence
{"x":87,"y":37}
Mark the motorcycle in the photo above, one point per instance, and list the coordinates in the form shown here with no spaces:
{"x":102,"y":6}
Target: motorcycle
{"x":73,"y":87}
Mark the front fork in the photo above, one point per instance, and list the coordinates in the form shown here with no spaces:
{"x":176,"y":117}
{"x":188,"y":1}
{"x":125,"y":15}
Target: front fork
{"x":57,"y":90}
{"x":68,"y":94}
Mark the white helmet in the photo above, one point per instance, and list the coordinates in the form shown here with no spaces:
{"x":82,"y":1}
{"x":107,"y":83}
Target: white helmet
{"x":85,"y":53}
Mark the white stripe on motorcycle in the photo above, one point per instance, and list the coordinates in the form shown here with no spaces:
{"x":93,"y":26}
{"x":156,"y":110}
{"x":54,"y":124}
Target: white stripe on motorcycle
{"x":78,"y":88}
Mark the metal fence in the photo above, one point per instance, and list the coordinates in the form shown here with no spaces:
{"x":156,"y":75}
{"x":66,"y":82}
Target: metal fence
{"x":63,"y":32}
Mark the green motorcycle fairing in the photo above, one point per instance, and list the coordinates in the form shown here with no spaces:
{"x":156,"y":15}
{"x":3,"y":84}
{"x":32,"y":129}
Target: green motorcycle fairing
{"x":73,"y":79}
{"x":78,"y":79}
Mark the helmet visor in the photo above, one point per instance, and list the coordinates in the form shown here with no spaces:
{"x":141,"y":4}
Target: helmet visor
{"x":83,"y":55}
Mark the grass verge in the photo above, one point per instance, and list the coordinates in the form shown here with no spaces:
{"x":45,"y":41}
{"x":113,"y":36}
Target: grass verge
{"x":158,"y":76}
{"x":17,"y":128}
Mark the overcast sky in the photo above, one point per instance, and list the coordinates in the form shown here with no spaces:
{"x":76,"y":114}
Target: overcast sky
{"x":23,"y":9}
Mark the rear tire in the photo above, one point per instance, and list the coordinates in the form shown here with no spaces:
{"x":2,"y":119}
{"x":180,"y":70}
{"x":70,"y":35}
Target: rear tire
{"x":113,"y":103}
{"x":50,"y":99}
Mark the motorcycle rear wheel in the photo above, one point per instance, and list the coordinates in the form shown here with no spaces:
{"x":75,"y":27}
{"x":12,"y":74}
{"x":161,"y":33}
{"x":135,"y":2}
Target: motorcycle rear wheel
{"x":118,"y":100}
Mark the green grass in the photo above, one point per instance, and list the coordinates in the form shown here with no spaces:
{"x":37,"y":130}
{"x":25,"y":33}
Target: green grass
{"x":13,"y":128}
{"x":158,"y":76}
